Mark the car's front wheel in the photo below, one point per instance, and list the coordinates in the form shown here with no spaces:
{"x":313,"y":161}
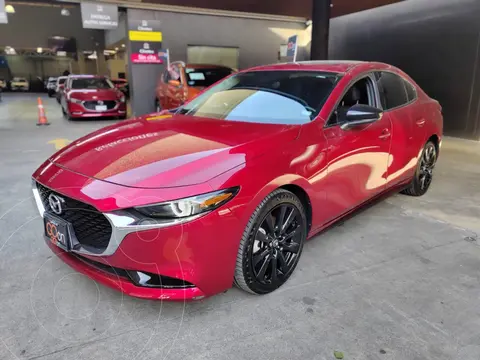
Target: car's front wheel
{"x":272,"y":243}
{"x":424,"y":173}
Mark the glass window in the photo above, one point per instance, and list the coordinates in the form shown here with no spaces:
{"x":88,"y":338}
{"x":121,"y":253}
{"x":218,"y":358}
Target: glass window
{"x":61,"y":81}
{"x":358,"y":93}
{"x":411,"y":91}
{"x":276,"y":97}
{"x":91,"y":83}
{"x":174,"y":73}
{"x":166,"y":76}
{"x":392,"y":90}
{"x":205,"y":77}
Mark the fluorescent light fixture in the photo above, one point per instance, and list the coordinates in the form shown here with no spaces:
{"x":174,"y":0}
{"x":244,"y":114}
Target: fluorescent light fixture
{"x":123,"y":45}
{"x":65,"y":12}
{"x":9,"y":9}
{"x":39,"y":50}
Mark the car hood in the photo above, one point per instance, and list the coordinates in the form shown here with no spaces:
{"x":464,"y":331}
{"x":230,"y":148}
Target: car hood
{"x":94,"y":94}
{"x":166,"y":151}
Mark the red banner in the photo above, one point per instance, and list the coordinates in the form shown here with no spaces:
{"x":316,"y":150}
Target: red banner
{"x":146,"y":59}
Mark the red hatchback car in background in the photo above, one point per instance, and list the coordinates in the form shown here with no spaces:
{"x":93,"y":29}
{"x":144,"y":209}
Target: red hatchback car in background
{"x":228,"y":189}
{"x":180,"y":82}
{"x":87,"y":96}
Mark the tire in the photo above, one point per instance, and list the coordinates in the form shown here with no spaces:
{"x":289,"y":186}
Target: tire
{"x":66,"y":115}
{"x":424,"y":173}
{"x":259,"y":246}
{"x":122,"y":117}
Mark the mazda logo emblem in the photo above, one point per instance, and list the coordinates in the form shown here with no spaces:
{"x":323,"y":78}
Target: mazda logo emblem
{"x":100,"y":102}
{"x":56,"y":203}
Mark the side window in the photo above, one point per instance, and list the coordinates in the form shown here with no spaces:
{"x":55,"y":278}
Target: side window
{"x":411,"y":91}
{"x":174,"y":73}
{"x":361,"y":92}
{"x":392,"y":90}
{"x":166,"y":76}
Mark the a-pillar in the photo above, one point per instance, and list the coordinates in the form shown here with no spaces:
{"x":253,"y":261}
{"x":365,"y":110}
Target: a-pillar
{"x":320,"y":27}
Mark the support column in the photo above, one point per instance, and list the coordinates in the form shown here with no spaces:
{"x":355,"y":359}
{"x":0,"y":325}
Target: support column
{"x":82,"y":68}
{"x":320,"y":28}
{"x":143,"y":77}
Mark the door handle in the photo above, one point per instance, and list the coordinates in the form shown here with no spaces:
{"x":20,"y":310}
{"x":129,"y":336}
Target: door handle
{"x":420,"y":122}
{"x":385,"y":134}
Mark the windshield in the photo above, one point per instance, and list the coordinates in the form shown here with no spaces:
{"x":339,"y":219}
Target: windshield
{"x":274,"y":97}
{"x":91,"y":83}
{"x":61,"y":81}
{"x":205,"y":77}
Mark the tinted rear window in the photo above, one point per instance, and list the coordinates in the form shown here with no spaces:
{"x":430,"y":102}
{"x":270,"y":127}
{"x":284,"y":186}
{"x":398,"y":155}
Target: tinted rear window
{"x":205,"y":77}
{"x":392,"y":90}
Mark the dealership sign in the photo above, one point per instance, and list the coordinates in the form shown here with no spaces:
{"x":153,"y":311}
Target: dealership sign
{"x":292,"y":47}
{"x":145,"y":42}
{"x":99,"y":16}
{"x":3,"y":14}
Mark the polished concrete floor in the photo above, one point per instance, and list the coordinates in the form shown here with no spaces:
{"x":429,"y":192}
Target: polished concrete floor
{"x":400,"y":280}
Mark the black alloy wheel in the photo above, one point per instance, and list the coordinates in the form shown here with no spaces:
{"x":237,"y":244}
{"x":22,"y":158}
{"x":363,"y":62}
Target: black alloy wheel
{"x":272,"y":243}
{"x":424,"y":173}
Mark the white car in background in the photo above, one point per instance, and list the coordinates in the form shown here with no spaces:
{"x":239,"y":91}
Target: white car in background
{"x":59,"y":87}
{"x":19,"y":84}
{"x":51,"y":86}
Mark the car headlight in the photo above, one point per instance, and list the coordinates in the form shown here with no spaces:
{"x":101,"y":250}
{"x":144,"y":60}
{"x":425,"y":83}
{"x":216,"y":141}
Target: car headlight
{"x":188,"y":207}
{"x":75,"y":101}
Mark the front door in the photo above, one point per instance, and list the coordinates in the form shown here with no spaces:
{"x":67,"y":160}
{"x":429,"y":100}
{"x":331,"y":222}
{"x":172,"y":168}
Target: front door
{"x":357,"y":157}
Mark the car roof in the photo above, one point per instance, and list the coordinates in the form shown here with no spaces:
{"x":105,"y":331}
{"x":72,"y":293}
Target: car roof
{"x":334,"y":66}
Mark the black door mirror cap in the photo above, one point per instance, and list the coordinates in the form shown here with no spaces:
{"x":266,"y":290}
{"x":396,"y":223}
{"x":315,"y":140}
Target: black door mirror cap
{"x":360,"y":114}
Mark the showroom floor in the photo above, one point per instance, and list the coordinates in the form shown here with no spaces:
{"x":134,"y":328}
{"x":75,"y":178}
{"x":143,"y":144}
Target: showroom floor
{"x":401,"y":280}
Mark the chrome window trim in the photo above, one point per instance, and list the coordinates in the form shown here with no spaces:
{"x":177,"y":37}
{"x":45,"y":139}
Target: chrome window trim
{"x":120,"y":222}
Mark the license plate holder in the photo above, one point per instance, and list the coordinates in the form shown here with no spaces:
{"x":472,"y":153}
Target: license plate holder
{"x":57,"y":231}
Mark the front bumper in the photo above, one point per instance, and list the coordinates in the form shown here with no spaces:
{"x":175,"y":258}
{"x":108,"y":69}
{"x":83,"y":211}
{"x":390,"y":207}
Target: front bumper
{"x":201,"y":252}
{"x":79,"y":111}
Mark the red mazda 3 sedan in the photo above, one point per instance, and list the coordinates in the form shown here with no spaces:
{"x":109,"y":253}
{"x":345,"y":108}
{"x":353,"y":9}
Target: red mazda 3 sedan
{"x":87,"y":96}
{"x":228,"y":187}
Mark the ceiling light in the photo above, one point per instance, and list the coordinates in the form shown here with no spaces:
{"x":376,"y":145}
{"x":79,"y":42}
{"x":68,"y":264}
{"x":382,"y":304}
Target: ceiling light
{"x":9,"y":9}
{"x":65,"y":12}
{"x":123,"y":45}
{"x":116,"y":49}
{"x":39,"y":50}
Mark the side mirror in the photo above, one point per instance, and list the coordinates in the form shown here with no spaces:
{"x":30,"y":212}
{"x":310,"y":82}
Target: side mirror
{"x":359,"y":115}
{"x":175,"y":83}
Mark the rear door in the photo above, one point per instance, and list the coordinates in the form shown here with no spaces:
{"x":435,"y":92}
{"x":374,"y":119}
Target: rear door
{"x":407,"y":129}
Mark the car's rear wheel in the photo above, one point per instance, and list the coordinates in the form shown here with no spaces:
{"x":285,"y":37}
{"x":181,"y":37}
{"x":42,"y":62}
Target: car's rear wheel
{"x":271,"y":244}
{"x":424,"y":173}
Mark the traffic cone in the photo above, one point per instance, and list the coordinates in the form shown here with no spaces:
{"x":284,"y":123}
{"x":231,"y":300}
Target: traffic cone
{"x":42,"y":119}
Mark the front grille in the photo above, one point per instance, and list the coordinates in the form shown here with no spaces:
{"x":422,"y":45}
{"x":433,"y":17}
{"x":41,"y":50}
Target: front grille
{"x":90,"y":105}
{"x":92,"y":229}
